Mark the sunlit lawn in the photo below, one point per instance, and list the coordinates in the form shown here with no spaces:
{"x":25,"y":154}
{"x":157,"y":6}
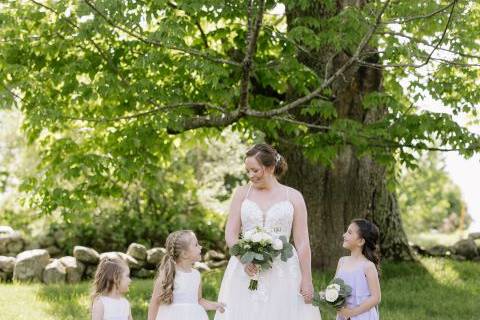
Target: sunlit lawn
{"x":433,"y":289}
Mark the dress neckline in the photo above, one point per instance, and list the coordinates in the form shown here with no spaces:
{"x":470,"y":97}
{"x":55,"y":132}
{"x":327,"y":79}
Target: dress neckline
{"x":270,"y":208}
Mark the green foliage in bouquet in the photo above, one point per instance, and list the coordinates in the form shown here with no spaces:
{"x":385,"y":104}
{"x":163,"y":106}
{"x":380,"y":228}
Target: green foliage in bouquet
{"x":261,"y":253}
{"x":334,"y":295}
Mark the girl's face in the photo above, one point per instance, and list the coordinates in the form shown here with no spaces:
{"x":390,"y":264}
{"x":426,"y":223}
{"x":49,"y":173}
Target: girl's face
{"x":193,"y":251}
{"x":351,"y":238}
{"x":124,"y":281}
{"x":256,"y":172}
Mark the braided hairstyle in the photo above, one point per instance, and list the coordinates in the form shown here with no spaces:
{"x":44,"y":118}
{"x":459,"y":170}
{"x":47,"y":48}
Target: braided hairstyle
{"x":267,"y":156}
{"x":176,"y":243}
{"x":370,"y":233}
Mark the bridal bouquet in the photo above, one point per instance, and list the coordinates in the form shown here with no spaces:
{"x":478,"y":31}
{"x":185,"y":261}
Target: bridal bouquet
{"x":335,"y":294}
{"x":260,"y":247}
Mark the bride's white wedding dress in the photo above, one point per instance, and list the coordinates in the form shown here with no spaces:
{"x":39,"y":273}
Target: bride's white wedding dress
{"x":278,"y":294}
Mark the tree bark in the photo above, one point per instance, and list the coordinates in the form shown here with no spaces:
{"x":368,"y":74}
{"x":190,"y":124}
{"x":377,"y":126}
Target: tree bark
{"x":353,"y":187}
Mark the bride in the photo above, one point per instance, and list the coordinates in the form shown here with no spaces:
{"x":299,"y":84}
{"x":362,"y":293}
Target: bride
{"x":285,"y":291}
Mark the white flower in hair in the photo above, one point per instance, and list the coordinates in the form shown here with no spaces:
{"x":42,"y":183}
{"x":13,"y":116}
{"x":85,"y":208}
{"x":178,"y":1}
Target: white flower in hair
{"x":277,"y":158}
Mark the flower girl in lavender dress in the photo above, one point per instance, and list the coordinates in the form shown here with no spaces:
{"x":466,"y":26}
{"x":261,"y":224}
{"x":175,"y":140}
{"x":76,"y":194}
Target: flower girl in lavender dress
{"x":360,"y":271}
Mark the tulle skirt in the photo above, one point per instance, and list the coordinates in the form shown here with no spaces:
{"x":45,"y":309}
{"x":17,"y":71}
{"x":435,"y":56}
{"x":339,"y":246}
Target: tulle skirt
{"x":277,"y":297}
{"x":182,"y":311}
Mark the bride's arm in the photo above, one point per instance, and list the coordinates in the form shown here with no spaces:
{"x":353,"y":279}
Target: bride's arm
{"x":302,"y":244}
{"x":232,"y":229}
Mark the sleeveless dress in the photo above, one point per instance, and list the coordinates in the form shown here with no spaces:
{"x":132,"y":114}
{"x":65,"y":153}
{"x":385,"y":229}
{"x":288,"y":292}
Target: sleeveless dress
{"x":357,"y":279}
{"x":278,"y":295}
{"x":115,"y":309}
{"x":185,"y":299}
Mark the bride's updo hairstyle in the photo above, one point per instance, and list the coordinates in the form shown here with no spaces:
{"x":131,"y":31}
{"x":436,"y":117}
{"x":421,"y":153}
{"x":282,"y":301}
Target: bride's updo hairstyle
{"x":267,"y":156}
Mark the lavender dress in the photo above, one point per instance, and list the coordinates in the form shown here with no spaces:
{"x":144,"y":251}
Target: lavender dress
{"x":357,"y":279}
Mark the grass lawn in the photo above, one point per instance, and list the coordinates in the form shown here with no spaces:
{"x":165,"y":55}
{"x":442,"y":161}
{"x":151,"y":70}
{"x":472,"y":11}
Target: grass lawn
{"x":432,"y":289}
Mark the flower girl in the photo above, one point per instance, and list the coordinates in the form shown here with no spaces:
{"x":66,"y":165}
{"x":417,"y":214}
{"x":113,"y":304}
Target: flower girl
{"x":177,"y":293}
{"x":360,"y":271}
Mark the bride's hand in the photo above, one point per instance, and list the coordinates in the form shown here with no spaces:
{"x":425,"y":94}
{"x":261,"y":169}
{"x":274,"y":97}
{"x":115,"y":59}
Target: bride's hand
{"x":250,"y":269}
{"x":306,"y":290}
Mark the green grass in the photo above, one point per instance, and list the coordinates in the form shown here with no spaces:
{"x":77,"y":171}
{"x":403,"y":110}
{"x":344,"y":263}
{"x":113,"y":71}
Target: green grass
{"x":432,"y":289}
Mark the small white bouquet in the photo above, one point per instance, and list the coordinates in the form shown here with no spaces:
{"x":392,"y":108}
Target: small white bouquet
{"x":260,"y":247}
{"x":335,"y":294}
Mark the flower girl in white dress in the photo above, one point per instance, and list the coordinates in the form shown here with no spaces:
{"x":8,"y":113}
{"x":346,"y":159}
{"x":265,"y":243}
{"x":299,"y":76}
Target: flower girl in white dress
{"x":177,"y":293}
{"x":110,"y":284}
{"x":285,"y":291}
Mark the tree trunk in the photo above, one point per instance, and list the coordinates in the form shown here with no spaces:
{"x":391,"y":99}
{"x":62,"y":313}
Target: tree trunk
{"x":353,"y":187}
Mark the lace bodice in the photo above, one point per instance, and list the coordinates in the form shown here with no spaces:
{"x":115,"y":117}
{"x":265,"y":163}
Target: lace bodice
{"x":278,"y":219}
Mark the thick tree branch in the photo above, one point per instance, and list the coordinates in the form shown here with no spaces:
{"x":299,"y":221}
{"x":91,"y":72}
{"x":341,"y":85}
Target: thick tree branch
{"x":318,"y":92}
{"x":375,"y":141}
{"x":253,"y":32}
{"x":207,"y":122}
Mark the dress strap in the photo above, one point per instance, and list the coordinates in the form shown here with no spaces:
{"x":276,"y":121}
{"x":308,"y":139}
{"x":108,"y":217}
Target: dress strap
{"x":287,"y":195}
{"x":248,"y":192}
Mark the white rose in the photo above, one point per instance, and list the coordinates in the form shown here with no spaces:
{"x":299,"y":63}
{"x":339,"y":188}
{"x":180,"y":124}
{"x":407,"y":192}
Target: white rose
{"x":278,"y":244}
{"x":248,"y":234}
{"x":331,"y":295}
{"x":335,"y":286}
{"x":266,"y":237}
{"x":257,"y":237}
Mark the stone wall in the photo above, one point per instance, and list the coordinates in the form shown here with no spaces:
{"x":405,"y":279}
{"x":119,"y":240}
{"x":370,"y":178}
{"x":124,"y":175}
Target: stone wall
{"x":38,"y":265}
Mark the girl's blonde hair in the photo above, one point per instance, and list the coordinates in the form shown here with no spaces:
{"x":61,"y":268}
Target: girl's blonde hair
{"x":176,"y":243}
{"x":108,"y":275}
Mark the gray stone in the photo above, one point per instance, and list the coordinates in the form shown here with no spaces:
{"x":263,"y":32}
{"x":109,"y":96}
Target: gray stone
{"x":154,"y":256}
{"x":466,"y":248}
{"x":29,"y":265}
{"x":144,"y":274}
{"x":54,"y":272}
{"x":217,"y":264}
{"x":46,"y":241}
{"x":7,"y":264}
{"x":86,"y":255}
{"x":458,"y":257}
{"x":474,"y":235}
{"x":4,"y":276}
{"x":201,"y":266}
{"x":15,"y":243}
{"x":418,"y":249}
{"x":74,"y":268}
{"x":54,"y":251}
{"x":213,"y":255}
{"x":6,"y":229}
{"x":439,"y":251}
{"x":90,"y":271}
{"x":132,"y":263}
{"x":137,"y":251}
{"x":32,"y":245}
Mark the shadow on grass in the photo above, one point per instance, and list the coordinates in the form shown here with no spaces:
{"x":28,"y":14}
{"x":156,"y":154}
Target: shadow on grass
{"x":436,"y":289}
{"x":69,"y":302}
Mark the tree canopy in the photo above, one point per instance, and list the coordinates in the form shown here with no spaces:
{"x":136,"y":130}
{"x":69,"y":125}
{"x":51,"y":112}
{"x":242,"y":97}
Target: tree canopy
{"x":109,"y":88}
